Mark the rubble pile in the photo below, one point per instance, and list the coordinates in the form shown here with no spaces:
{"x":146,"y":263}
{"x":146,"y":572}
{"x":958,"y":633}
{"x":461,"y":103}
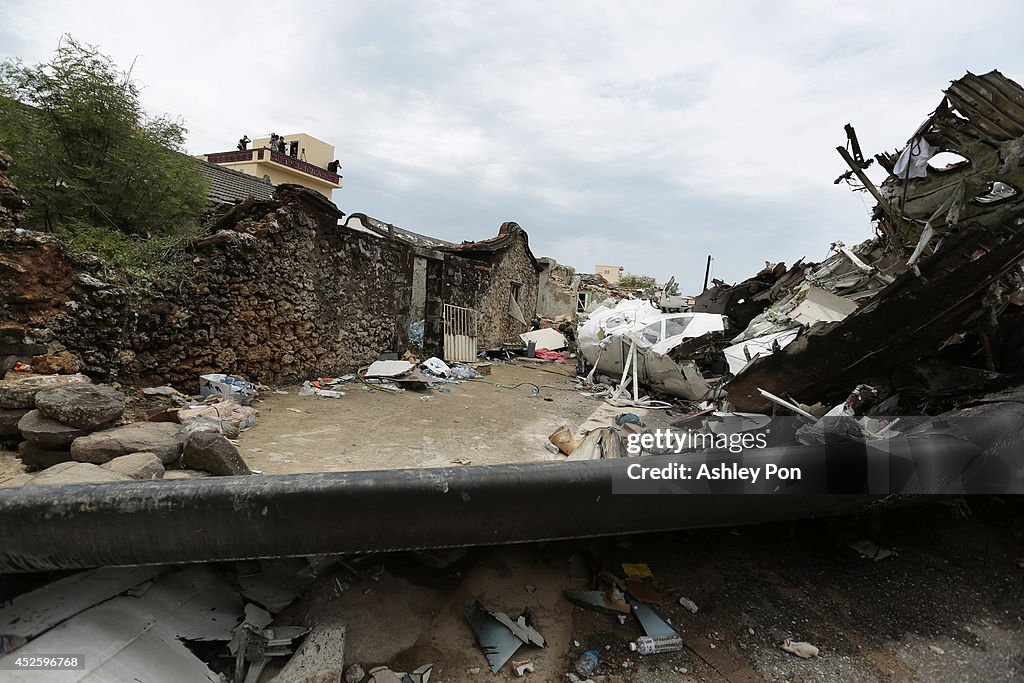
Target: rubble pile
{"x":941,"y":285}
{"x":931,"y":309}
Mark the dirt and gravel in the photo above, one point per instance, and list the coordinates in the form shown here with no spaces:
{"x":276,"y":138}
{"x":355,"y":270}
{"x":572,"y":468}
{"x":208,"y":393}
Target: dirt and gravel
{"x":493,"y":420}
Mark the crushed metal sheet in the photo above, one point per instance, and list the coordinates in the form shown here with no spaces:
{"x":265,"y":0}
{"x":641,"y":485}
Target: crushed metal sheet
{"x":274,"y":585}
{"x":496,"y":640}
{"x":125,"y":635}
{"x":652,"y":622}
{"x":546,"y":338}
{"x":599,"y":601}
{"x":521,"y":628}
{"x":388,"y":368}
{"x":34,"y":612}
{"x":872,"y":550}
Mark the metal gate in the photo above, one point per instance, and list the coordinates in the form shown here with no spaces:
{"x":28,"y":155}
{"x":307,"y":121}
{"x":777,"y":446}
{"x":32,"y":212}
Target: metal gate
{"x":459,"y":334}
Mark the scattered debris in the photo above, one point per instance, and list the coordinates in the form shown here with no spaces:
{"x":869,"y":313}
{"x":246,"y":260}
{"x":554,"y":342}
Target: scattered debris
{"x":563,"y":440}
{"x":499,"y":636}
{"x":800,"y":649}
{"x":227,"y":386}
{"x":546,"y":338}
{"x":521,"y":667}
{"x":649,"y":645}
{"x":872,"y":550}
{"x":689,"y":605}
{"x":218,"y":414}
{"x":587,"y":663}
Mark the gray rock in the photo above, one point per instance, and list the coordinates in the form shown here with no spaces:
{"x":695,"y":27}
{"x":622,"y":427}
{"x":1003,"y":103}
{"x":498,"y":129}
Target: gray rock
{"x":75,"y":473}
{"x":184,"y":474}
{"x":9,"y":418}
{"x":42,"y":432}
{"x":213,"y":453}
{"x":35,"y":458}
{"x":162,"y":439}
{"x":20,"y":392}
{"x":86,"y":406}
{"x":137,"y":466}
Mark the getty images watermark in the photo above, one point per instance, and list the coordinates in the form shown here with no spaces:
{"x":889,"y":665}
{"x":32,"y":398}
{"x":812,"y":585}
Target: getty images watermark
{"x":661,"y":442}
{"x":784,"y":455}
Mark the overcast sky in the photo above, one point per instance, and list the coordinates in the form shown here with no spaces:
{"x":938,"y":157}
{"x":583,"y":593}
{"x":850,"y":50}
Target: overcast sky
{"x":647,"y":135}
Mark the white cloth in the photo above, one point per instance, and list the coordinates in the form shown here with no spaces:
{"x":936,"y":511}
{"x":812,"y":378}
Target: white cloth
{"x":915,"y":156}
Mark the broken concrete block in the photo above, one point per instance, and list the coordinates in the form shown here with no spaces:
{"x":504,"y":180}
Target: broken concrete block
{"x":321,"y":657}
{"x":137,"y":466}
{"x":213,"y":453}
{"x":63,"y":363}
{"x":163,"y":439}
{"x":35,"y":458}
{"x":42,"y":432}
{"x":20,"y":391}
{"x":9,"y":418}
{"x":86,"y":406}
{"x":75,"y":473}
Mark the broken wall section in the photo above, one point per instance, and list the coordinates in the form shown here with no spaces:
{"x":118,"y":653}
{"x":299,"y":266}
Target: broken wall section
{"x":279,"y":292}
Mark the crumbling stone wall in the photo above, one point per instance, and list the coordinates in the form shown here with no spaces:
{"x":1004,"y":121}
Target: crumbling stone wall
{"x":557,"y":289}
{"x":294,"y":299}
{"x":486,"y":287}
{"x":278,"y":292}
{"x":284,"y":294}
{"x":514,"y":265}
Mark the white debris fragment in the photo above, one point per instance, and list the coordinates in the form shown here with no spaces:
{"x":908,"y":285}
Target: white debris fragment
{"x":522,"y":667}
{"x":688,"y":604}
{"x":800,"y":649}
{"x":936,"y":649}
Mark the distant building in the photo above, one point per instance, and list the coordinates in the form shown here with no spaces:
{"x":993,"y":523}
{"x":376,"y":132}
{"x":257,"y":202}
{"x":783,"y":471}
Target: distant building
{"x":306,"y":161}
{"x":609,"y":273}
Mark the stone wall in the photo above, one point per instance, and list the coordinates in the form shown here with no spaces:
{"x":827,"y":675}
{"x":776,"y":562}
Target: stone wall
{"x":284,"y":294}
{"x":277,"y":292}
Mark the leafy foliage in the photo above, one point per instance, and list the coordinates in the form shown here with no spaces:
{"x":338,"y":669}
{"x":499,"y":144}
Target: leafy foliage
{"x":637,"y":281}
{"x":86,"y":155}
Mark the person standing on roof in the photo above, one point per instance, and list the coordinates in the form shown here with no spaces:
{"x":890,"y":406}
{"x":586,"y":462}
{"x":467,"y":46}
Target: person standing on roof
{"x":243,"y":143}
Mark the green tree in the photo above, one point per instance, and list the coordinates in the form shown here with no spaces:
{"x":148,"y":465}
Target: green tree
{"x":87,"y":157}
{"x":637,"y":281}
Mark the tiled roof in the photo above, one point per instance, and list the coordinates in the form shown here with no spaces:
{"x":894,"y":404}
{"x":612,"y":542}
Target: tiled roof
{"x":361,"y":220}
{"x":228,"y":186}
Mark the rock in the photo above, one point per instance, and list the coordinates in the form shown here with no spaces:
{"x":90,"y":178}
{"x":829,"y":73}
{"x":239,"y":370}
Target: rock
{"x":86,"y":406}
{"x":137,"y":466}
{"x":42,"y":432}
{"x":163,"y":439}
{"x":20,"y":390}
{"x":9,"y":418}
{"x":35,"y":458}
{"x":213,"y":453}
{"x":75,"y":473}
{"x":63,"y":363}
{"x":184,"y":474}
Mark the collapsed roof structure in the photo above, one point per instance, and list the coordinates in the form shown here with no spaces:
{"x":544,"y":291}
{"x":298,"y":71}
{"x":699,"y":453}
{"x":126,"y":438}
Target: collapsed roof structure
{"x":939,"y":289}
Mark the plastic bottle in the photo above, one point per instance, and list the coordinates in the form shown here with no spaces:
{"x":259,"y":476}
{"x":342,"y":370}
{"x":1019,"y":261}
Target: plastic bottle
{"x":649,"y":645}
{"x":587,"y":663}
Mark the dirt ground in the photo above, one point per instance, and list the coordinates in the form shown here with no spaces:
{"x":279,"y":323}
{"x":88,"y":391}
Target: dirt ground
{"x":488,"y":421}
{"x":949,"y":606}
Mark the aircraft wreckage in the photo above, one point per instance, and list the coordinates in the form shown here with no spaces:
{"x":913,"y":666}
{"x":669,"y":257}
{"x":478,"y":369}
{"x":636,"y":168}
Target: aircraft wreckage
{"x":926,"y":319}
{"x":933,"y":304}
